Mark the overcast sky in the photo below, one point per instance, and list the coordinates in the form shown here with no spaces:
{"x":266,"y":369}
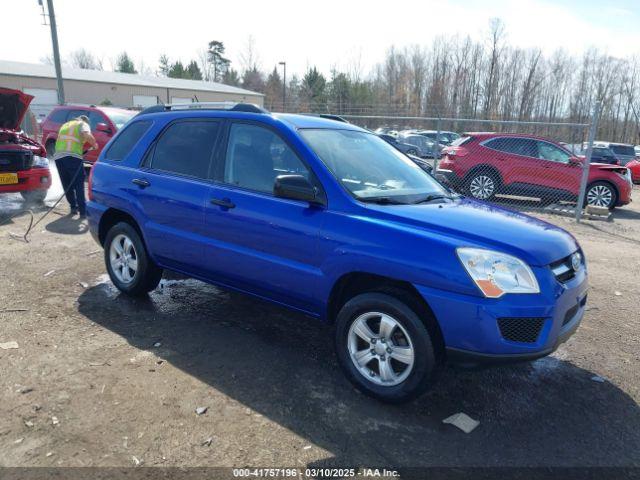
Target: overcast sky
{"x":325,"y":33}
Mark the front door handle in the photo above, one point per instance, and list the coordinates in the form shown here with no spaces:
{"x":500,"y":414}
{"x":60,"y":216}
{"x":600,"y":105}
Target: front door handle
{"x":141,"y":182}
{"x":225,"y":203}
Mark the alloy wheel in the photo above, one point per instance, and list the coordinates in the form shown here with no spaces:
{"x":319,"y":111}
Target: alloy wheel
{"x":123,"y":258}
{"x":381,"y":349}
{"x":600,"y":196}
{"x":482,"y":187}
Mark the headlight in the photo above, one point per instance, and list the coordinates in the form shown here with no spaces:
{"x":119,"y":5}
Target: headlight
{"x":496,"y":273}
{"x":40,"y":162}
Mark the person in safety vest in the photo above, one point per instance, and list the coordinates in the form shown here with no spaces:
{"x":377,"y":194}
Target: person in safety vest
{"x":68,"y":156}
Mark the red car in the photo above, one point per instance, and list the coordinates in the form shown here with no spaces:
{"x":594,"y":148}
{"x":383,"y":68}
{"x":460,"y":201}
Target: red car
{"x":24,"y":167}
{"x":634,"y":167}
{"x":104,"y":122}
{"x":486,"y":164}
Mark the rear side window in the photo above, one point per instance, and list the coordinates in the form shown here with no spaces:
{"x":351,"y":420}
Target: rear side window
{"x":127,"y":139}
{"x":517,"y":146}
{"x":186,"y":148}
{"x":58,"y":116}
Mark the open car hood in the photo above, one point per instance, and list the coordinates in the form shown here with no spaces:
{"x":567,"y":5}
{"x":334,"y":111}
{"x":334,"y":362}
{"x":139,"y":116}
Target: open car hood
{"x":13,"y":107}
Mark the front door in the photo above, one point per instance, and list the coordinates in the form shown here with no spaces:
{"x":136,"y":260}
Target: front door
{"x":257,"y":242}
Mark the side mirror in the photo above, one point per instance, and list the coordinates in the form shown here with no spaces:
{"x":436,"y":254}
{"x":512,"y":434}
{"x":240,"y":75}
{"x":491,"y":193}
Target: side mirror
{"x":104,"y":128}
{"x":296,"y":187}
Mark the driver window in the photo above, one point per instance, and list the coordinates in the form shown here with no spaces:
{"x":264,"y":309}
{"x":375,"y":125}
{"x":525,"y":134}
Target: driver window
{"x":256,"y":156}
{"x":549,"y":152}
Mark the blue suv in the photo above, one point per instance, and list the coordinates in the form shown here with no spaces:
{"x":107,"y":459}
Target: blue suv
{"x":328,"y":219}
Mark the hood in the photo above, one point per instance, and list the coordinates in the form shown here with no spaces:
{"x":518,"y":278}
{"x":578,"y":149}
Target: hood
{"x":477,"y":224}
{"x":13,"y":107}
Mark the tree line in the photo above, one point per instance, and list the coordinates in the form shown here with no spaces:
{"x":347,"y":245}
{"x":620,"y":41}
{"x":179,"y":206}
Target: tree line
{"x":452,"y":77}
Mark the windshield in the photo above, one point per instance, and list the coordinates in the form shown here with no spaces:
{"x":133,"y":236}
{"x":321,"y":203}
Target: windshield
{"x":370,"y":168}
{"x":623,"y":150}
{"x":120,"y":118}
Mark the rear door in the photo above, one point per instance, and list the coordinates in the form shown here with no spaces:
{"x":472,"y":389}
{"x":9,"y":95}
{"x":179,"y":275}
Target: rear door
{"x":172,"y":190}
{"x":257,"y":242}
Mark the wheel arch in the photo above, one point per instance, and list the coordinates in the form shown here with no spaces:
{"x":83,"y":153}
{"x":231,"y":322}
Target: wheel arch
{"x":486,"y":168}
{"x":113,"y":216}
{"x":352,"y":284}
{"x":613,"y":186}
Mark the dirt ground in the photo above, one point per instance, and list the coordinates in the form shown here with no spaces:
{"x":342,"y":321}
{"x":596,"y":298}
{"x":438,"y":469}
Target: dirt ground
{"x":100,"y":379}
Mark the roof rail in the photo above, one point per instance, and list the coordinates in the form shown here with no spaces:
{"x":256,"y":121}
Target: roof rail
{"x":331,"y":116}
{"x":229,"y":106}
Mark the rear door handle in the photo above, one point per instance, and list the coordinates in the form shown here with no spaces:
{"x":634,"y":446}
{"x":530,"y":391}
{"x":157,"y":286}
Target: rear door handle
{"x":141,"y":182}
{"x":225,"y":203}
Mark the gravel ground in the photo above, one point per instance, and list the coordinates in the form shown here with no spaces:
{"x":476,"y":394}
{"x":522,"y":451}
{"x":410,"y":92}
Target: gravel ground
{"x":100,"y":379}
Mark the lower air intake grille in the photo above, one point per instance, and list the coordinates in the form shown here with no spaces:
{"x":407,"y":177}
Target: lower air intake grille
{"x":520,"y":329}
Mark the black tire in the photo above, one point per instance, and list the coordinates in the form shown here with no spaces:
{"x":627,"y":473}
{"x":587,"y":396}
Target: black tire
{"x":421,"y":373}
{"x":34,"y":196}
{"x":412,"y":152}
{"x":601,"y":187}
{"x":479,"y":179}
{"x":147,"y":274}
{"x":51,"y":149}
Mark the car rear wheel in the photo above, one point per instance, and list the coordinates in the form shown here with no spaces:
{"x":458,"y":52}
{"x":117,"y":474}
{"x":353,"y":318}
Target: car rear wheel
{"x":601,"y":194}
{"x":384,"y":348}
{"x":482,"y":185}
{"x":128,"y":263}
{"x":34,"y":196}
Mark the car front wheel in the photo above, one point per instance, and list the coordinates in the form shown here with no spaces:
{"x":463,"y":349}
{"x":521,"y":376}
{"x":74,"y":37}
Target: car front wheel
{"x":384,"y":348}
{"x":34,"y":196}
{"x":128,"y":263}
{"x":601,"y":194}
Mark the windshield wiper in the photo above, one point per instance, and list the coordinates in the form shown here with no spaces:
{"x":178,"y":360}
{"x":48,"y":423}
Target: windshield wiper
{"x":430,"y":198}
{"x":382,"y":200}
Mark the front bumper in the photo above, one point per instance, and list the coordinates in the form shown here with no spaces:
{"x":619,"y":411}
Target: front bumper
{"x":471,"y":328}
{"x":32,"y":179}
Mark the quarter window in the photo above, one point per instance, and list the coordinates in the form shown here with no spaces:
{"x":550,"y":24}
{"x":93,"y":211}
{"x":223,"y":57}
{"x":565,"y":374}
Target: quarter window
{"x":256,"y":156}
{"x":186,"y":148}
{"x":125,"y":142}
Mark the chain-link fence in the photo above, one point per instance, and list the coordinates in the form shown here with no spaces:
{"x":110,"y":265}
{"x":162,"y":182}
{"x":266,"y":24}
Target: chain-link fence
{"x":519,"y":164}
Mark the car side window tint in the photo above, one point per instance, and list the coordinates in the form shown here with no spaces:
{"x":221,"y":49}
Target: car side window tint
{"x":186,"y":148}
{"x":95,"y":118}
{"x":127,"y":139}
{"x":76,"y":113}
{"x":256,"y":156}
{"x":522,"y":146}
{"x":59,"y":116}
{"x":546,"y":151}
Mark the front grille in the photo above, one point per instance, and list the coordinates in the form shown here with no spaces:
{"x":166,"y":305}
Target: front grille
{"x":520,"y":329}
{"x":563,"y":270}
{"x":15,"y":161}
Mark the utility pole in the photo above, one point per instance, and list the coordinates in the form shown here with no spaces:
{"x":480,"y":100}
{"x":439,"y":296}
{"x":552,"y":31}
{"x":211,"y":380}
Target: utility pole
{"x":284,"y":86}
{"x":56,"y":49}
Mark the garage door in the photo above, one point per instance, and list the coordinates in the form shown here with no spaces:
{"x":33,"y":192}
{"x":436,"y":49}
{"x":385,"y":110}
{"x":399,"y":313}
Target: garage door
{"x":44,"y":101}
{"x":144,"y":100}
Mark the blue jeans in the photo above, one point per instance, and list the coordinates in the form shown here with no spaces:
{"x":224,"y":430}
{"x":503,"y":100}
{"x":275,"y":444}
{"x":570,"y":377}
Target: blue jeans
{"x":71,"y":170}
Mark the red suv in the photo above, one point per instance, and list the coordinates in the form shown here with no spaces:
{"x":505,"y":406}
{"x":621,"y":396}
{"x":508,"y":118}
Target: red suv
{"x":104,"y":121}
{"x":486,"y":164}
{"x":24,"y":167}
